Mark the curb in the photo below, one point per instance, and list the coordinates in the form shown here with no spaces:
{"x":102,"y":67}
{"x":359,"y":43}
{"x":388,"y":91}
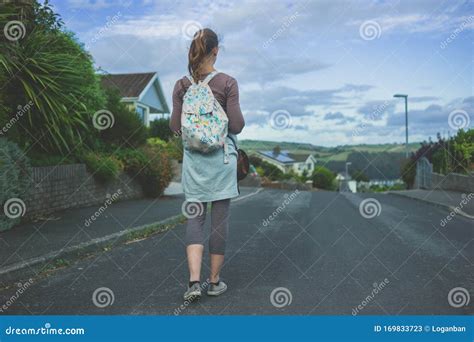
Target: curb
{"x":93,"y":245}
{"x":437,"y":204}
{"x":84,"y":247}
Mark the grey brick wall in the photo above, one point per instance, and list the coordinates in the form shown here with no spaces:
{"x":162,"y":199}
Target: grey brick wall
{"x":69,"y":186}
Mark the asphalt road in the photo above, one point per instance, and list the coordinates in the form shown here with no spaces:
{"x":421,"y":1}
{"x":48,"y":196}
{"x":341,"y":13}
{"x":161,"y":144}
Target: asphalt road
{"x":318,"y":255}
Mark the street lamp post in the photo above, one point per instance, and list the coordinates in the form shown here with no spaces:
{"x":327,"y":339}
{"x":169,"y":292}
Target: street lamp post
{"x":406,"y":121}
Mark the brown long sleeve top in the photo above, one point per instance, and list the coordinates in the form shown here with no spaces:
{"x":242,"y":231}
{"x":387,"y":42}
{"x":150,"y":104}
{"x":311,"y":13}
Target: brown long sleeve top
{"x":226,"y":92}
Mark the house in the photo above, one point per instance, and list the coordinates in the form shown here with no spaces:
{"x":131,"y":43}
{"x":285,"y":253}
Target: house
{"x":142,"y":92}
{"x":287,"y":161}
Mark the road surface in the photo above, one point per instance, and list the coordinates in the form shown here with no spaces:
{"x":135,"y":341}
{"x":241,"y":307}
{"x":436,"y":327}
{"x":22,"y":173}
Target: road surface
{"x":319,"y":254}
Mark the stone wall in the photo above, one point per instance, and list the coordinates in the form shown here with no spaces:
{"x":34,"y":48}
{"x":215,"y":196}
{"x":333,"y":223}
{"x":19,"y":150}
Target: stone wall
{"x":68,"y":186}
{"x":453,"y":181}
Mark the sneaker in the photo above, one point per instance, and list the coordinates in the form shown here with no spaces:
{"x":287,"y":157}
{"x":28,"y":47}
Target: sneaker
{"x":193,"y":292}
{"x":215,"y":290}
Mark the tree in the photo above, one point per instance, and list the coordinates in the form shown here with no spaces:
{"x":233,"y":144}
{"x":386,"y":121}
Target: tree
{"x":128,"y":129}
{"x":51,"y":70}
{"x":359,"y":176}
{"x":276,"y":150}
{"x":323,"y":178}
{"x":160,"y":128}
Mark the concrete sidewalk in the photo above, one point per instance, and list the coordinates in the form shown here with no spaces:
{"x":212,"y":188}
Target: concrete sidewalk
{"x":69,"y":231}
{"x":461,"y":203}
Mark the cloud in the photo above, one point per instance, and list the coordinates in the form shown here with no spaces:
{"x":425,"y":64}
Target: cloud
{"x":377,"y":110}
{"x":433,"y":118}
{"x":305,"y":57}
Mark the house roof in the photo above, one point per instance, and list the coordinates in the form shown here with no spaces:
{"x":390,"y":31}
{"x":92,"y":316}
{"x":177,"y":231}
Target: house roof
{"x":285,"y":157}
{"x":128,"y":85}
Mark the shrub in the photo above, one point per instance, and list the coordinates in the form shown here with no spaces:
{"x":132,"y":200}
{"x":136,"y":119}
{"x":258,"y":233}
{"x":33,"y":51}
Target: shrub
{"x":150,"y":165}
{"x":105,"y":168}
{"x":323,"y":178}
{"x":128,"y":128}
{"x":157,"y":174}
{"x":15,"y":179}
{"x":174,"y":146}
{"x":160,"y":128}
{"x":270,"y":171}
{"x":40,"y":159}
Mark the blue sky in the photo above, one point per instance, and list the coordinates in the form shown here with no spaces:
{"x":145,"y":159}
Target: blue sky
{"x":322,"y":72}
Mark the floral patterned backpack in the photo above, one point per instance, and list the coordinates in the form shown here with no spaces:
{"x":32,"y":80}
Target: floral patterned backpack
{"x":204,"y":124}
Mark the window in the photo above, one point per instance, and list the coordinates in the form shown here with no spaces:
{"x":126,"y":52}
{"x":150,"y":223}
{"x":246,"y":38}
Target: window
{"x":141,"y":112}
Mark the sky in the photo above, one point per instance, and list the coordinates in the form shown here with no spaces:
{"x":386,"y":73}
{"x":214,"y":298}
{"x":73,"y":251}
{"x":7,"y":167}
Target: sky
{"x":321,"y":72}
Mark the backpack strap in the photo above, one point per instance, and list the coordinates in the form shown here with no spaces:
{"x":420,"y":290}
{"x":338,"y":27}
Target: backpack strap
{"x":209,"y":77}
{"x":191,"y":79}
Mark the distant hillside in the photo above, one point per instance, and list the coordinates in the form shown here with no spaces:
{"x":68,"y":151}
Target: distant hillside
{"x":377,"y":161}
{"x":254,"y":145}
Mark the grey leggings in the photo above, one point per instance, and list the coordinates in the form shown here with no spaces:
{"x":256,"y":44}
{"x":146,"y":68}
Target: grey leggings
{"x":219,"y":226}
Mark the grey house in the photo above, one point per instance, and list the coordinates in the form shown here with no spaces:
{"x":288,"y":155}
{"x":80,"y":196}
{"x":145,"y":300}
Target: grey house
{"x":142,"y":92}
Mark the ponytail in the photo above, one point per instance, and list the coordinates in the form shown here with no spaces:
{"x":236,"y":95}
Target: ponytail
{"x":203,"y":42}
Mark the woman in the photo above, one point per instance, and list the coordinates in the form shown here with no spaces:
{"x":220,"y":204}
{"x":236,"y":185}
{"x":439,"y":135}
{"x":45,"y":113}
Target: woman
{"x":205,"y":177}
